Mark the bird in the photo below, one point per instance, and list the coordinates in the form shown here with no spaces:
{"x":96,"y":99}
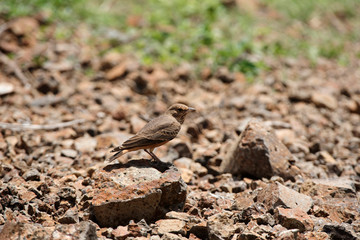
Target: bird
{"x":155,"y":133}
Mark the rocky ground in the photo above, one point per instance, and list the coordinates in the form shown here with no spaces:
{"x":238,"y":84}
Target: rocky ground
{"x":277,"y":159}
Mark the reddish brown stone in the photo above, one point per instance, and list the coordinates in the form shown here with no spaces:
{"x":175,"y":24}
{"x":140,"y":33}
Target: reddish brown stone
{"x":136,"y":190}
{"x":170,"y":226}
{"x":121,"y":233}
{"x":259,"y":153}
{"x":276,"y":194}
{"x":294,"y":218}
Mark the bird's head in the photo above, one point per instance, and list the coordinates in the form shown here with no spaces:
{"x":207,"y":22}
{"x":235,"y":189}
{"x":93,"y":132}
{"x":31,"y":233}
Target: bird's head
{"x":179,"y":111}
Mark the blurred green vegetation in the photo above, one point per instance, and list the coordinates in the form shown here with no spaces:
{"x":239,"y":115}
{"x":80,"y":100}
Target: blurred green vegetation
{"x":209,"y":32}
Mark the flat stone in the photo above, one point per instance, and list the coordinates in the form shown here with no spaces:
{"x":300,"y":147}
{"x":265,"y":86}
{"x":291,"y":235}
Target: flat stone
{"x":31,"y":175}
{"x":276,"y":194}
{"x":324,"y":100}
{"x":85,"y":144}
{"x":259,"y":153}
{"x":121,"y":232}
{"x":139,"y":189}
{"x":294,"y":219}
{"x":179,"y":215}
{"x":327,"y":157}
{"x":26,"y":195}
{"x":170,"y":226}
{"x":6,"y":88}
{"x":71,"y":153}
{"x":116,"y":72}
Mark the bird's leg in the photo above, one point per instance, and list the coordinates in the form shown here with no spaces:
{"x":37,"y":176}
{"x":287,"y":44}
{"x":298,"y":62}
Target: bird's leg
{"x":150,"y":152}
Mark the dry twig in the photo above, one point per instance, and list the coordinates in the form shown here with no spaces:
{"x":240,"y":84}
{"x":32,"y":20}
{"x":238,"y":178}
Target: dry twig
{"x":49,"y":127}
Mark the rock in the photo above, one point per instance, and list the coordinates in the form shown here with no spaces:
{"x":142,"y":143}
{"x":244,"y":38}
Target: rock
{"x":316,"y":236}
{"x":276,"y":194}
{"x":26,"y":195}
{"x":182,"y":149}
{"x":294,"y":218}
{"x":116,"y":72}
{"x":6,"y":88}
{"x":224,"y":75}
{"x":188,"y":167}
{"x":136,"y":190}
{"x":183,"y":72}
{"x":222,"y":225}
{"x":249,"y":235}
{"x":291,"y":234}
{"x":47,"y":85}
{"x":242,"y":201}
{"x":164,"y":226}
{"x":324,"y":100}
{"x":238,"y":102}
{"x":85,"y":144}
{"x":67,"y":194}
{"x":179,"y":215}
{"x":340,"y":231}
{"x":121,"y":232}
{"x":16,"y":230}
{"x":257,"y":152}
{"x":62,"y":66}
{"x":172,"y":236}
{"x":82,"y":231}
{"x":110,"y":59}
{"x":136,"y":124}
{"x":24,"y":25}
{"x":200,"y":230}
{"x":327,"y":157}
{"x":31,"y":175}
{"x":69,"y":217}
{"x":71,"y":153}
{"x":140,"y":228}
{"x":238,"y":186}
{"x":329,"y":188}
{"x":155,"y":237}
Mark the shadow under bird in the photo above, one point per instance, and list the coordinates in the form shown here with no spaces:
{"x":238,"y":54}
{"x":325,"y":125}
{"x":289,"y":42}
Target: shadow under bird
{"x":155,"y":133}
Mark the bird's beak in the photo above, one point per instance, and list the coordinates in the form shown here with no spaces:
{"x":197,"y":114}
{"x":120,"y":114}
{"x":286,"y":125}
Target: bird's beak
{"x":190,"y":109}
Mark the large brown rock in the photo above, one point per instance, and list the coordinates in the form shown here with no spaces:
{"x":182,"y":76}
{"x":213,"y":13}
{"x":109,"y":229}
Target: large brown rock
{"x":137,"y":190}
{"x":259,"y":153}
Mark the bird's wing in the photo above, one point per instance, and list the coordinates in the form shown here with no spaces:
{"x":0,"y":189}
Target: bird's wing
{"x":163,"y":128}
{"x":159,"y":130}
{"x":138,"y":142}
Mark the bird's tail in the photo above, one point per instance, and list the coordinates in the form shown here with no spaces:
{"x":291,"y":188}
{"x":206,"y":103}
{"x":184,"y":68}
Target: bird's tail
{"x":115,"y":156}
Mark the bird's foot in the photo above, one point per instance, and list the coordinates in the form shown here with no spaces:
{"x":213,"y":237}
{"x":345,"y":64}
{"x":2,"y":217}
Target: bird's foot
{"x":155,"y":158}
